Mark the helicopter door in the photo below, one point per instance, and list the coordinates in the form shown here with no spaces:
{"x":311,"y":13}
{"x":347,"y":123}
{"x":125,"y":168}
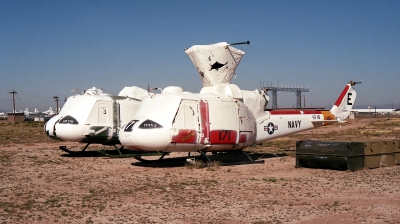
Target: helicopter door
{"x":103,"y":111}
{"x":99,"y":121}
{"x":247,"y":126}
{"x":185,"y":123}
{"x":223,"y":117}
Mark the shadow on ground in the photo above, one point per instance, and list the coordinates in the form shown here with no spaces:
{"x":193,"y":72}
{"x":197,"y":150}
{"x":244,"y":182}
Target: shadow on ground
{"x":156,"y":159}
{"x":224,"y":159}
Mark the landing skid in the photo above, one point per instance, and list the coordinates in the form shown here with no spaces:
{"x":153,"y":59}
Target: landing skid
{"x":117,"y":153}
{"x":64,"y":148}
{"x":139,"y":157}
{"x":130,"y":153}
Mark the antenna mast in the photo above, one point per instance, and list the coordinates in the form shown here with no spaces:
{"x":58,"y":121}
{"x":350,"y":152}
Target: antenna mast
{"x":13,"y":92}
{"x":56,"y":99}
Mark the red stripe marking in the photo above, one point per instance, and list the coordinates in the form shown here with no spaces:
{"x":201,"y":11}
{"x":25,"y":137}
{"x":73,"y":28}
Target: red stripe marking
{"x":204,"y":119}
{"x":223,"y":137}
{"x":242,"y":138}
{"x":340,"y":99}
{"x":293,"y":112}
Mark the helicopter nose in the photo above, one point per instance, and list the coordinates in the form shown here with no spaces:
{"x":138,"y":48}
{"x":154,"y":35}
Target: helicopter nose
{"x":64,"y":128}
{"x":49,"y":127}
{"x":148,"y":136}
{"x":69,"y":129}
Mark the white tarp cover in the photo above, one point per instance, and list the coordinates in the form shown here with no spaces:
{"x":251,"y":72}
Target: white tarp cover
{"x":230,"y":90}
{"x":133,"y":92}
{"x":93,"y":91}
{"x":256,"y":101}
{"x":216,"y":63}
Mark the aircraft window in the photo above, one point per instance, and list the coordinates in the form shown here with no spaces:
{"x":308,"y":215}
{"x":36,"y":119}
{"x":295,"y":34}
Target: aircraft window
{"x":129,"y":126}
{"x":68,"y":120}
{"x":147,"y":124}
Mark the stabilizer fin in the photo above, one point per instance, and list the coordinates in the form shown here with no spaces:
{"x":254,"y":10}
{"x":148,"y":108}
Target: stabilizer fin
{"x":343,"y":105}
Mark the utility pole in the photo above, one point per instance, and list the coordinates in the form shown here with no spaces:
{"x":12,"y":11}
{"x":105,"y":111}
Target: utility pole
{"x":56,"y":99}
{"x":13,"y":92}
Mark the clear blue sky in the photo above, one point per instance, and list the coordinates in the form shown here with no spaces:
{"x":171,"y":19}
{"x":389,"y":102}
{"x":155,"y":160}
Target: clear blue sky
{"x":50,"y":47}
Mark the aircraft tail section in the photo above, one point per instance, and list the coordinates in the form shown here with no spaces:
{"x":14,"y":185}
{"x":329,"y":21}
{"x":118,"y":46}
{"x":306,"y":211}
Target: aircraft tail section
{"x":49,"y":111}
{"x":343,"y":105}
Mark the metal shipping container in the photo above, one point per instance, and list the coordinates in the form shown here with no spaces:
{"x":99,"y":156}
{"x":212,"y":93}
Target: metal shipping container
{"x":344,"y":155}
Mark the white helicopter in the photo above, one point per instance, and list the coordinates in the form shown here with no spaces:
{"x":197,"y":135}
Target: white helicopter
{"x":222,"y":117}
{"x":94,"y":117}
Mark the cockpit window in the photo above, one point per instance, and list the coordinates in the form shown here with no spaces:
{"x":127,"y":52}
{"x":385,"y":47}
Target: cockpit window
{"x":68,"y":120}
{"x":147,"y":124}
{"x":128,"y":127}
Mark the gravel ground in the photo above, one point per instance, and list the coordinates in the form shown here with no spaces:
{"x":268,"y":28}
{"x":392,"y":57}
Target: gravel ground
{"x":39,"y":184}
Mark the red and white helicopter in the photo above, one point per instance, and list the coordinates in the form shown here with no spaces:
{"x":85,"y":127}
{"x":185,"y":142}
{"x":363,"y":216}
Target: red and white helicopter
{"x":222,"y":117}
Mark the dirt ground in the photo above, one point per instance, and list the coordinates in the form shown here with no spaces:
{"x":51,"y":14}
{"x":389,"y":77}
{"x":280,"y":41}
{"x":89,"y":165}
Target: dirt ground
{"x":40,"y":184}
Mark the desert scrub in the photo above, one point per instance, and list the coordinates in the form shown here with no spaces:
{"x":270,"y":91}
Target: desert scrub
{"x":5,"y":157}
{"x":214,"y":165}
{"x":26,"y":132}
{"x":199,"y":164}
{"x":196,"y":164}
{"x":281,"y":143}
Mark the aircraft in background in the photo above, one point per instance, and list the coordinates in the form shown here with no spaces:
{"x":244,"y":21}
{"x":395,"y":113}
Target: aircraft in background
{"x":375,"y":111}
{"x":222,"y":117}
{"x":94,"y":117}
{"x":49,"y":112}
{"x":3,"y":115}
{"x":27,"y":112}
